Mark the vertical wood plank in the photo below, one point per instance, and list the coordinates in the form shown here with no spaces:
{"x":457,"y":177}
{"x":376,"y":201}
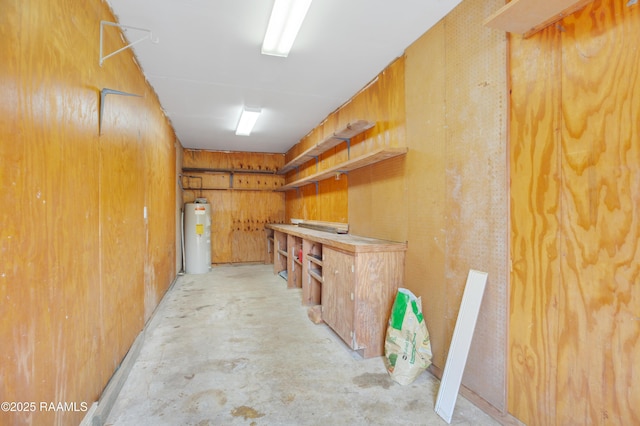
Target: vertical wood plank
{"x":575,"y":224}
{"x":535,"y":222}
{"x":599,"y":330}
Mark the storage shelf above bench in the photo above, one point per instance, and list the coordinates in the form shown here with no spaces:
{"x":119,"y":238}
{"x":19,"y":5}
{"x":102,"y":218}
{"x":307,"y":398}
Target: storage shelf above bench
{"x":351,"y":130}
{"x":347,"y":166}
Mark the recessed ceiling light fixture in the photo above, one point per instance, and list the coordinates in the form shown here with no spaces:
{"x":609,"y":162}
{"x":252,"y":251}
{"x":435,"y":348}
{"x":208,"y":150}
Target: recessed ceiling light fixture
{"x":284,"y":24}
{"x":248,"y":119}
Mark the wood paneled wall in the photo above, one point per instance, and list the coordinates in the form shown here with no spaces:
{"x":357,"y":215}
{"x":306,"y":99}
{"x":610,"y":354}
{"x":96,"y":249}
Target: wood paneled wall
{"x":456,"y":176}
{"x":446,"y":100}
{"x":242,"y":200}
{"x":381,"y":101}
{"x":81,"y":268}
{"x":574,"y":346}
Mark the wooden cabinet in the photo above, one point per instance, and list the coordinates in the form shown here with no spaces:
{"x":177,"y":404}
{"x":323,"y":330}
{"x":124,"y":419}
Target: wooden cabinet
{"x":357,"y":296}
{"x":338,"y":294}
{"x":355,"y":279}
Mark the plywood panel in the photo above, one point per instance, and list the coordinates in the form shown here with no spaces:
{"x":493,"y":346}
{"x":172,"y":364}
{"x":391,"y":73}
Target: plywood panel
{"x":425,"y":180}
{"x":244,"y":202}
{"x":328,"y":204}
{"x":80,"y":267}
{"x":575,"y":332}
{"x":383,"y":101}
{"x":250,"y":161}
{"x":599,"y":330}
{"x":535,"y":221}
{"x":334,"y":205}
{"x":376,"y":193}
{"x":476,"y":180}
{"x":122,"y":228}
{"x":49,"y":250}
{"x":161,"y":237}
{"x":252,"y":210}
{"x":195,"y":181}
{"x":456,"y":176}
{"x":257,"y":181}
{"x":377,"y":196}
{"x":237,"y":223}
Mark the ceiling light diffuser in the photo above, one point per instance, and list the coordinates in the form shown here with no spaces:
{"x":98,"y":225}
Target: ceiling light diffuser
{"x":284,"y":24}
{"x":248,"y":119}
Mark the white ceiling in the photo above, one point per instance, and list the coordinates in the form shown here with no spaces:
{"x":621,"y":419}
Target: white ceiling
{"x":207,"y":63}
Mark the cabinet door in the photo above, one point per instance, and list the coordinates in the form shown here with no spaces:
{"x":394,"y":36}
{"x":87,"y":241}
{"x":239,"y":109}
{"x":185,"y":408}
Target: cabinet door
{"x":338,"y":293}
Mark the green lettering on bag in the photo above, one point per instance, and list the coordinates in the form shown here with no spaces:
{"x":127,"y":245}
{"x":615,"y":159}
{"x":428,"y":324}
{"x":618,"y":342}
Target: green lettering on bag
{"x":417,"y":311}
{"x":398,"y":310}
{"x":392,"y":359}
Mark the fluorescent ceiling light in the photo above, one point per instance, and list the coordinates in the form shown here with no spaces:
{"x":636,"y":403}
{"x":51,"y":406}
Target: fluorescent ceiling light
{"x":248,"y":119}
{"x":284,"y":24}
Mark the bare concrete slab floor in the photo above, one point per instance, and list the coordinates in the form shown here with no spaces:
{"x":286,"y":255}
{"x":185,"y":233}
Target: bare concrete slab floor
{"x":235,"y":347}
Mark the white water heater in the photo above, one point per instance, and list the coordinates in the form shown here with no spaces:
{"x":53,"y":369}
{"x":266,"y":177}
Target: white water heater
{"x":197,"y":236}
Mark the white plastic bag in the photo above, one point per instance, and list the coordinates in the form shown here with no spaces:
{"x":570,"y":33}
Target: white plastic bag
{"x":407,"y":345}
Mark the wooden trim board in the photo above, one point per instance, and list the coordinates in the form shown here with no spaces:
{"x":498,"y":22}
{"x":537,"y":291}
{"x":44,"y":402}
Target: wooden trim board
{"x":530,"y":16}
{"x":460,"y":344}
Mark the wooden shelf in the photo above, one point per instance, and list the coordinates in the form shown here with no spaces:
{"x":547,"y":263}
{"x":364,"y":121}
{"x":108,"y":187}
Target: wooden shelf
{"x":316,"y":274}
{"x":347,"y":166}
{"x":312,"y":258}
{"x":231,"y":189}
{"x":228,"y":179}
{"x":221,"y":170}
{"x":351,"y":130}
{"x":527,"y":17}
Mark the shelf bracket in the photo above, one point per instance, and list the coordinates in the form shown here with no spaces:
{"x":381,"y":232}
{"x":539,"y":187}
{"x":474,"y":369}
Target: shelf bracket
{"x":317,"y":161}
{"x":103,"y":97}
{"x":231,"y":180}
{"x":148,"y":36}
{"x":348,"y":141}
{"x":316,"y":183}
{"x":340,"y":173}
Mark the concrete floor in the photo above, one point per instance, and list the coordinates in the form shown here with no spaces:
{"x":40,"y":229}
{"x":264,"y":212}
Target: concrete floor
{"x":235,"y":347}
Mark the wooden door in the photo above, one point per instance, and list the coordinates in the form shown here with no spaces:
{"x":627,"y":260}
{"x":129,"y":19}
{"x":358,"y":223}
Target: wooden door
{"x":338,"y":293}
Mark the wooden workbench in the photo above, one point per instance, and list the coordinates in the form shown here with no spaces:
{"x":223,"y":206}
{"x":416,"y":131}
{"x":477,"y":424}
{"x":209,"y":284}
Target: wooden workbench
{"x":354,"y":278}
